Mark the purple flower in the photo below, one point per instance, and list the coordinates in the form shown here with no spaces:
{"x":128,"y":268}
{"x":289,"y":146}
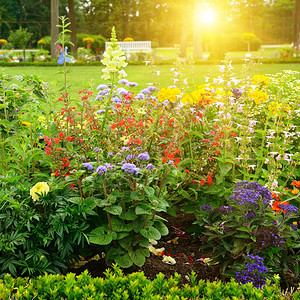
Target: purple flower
{"x":110,"y":154}
{"x":116,"y":99}
{"x":145,"y":91}
{"x":122,"y":91}
{"x":140,"y":96}
{"x":250,"y":193}
{"x":100,"y":111}
{"x":294,"y":227}
{"x":101,"y":170}
{"x":101,"y":87}
{"x":144,"y":156}
{"x":130,"y":156}
{"x":206,"y":207}
{"x":289,"y":208}
{"x":130,"y":168}
{"x":109,"y":166}
{"x":96,"y":149}
{"x":131,"y":84}
{"x":254,"y":272}
{"x":123,"y":81}
{"x":88,"y":165}
{"x":150,"y":167}
{"x":237,"y":93}
{"x":151,"y":88}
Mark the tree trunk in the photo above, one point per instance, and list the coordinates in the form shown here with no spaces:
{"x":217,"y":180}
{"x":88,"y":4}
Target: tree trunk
{"x":72,"y":25}
{"x":184,"y":30}
{"x":296,"y":25}
{"x":54,"y":29}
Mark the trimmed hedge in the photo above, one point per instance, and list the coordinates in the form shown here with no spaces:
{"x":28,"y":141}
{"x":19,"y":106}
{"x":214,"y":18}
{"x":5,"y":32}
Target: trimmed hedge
{"x":116,"y":285}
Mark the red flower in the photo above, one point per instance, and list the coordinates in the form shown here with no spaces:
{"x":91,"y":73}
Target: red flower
{"x":209,"y":180}
{"x":69,"y":138}
{"x":56,"y":173}
{"x":61,"y":134}
{"x":276,"y":207}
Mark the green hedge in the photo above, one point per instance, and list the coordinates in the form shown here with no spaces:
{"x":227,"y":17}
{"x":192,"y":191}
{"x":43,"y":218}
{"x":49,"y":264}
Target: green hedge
{"x":115,"y":285}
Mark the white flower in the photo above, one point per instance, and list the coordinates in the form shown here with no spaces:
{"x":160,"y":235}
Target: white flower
{"x":169,"y":260}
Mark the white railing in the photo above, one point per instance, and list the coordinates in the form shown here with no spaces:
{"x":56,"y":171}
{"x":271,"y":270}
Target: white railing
{"x":144,"y":46}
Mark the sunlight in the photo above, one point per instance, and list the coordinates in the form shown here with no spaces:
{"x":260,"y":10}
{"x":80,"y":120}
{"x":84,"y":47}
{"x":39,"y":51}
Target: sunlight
{"x":207,"y":16}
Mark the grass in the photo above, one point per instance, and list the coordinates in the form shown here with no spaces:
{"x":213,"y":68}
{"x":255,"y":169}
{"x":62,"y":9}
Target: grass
{"x":81,"y":77}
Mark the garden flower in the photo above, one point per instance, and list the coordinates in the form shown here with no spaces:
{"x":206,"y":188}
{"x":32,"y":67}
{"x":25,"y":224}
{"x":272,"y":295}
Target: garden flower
{"x":88,"y":166}
{"x":169,"y":260}
{"x":114,"y":59}
{"x":123,"y":81}
{"x":131,"y":84}
{"x":254,"y":272}
{"x":150,"y":167}
{"x":41,"y":188}
{"x":102,"y":87}
{"x":130,"y":168}
{"x":144,"y":156}
{"x":63,"y":56}
{"x":170,"y":94}
{"x":101,"y":170}
{"x":278,"y":205}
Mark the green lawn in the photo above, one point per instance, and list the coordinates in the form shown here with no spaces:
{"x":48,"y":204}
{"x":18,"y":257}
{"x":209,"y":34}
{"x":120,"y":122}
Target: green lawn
{"x":85,"y":76}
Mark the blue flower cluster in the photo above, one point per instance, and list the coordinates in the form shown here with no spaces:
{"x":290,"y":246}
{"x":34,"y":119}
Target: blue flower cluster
{"x":250,"y":193}
{"x":255,"y":272}
{"x":130,"y":168}
{"x":289,"y":208}
{"x":206,"y":207}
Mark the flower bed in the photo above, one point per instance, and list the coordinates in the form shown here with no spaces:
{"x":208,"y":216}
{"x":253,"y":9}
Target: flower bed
{"x":100,"y":174}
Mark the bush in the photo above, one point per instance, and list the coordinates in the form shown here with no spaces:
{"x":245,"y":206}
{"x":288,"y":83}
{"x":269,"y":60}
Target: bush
{"x":116,"y":285}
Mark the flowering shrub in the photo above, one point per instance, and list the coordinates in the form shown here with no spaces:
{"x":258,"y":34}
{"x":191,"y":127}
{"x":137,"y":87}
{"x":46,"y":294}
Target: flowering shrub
{"x":246,"y":224}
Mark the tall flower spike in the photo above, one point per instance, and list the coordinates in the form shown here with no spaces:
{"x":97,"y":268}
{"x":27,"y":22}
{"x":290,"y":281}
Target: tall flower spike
{"x":114,"y":59}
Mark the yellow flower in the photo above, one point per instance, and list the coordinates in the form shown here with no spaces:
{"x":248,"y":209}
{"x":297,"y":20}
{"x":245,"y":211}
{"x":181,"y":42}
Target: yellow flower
{"x":41,"y":188}
{"x":26,"y":123}
{"x":41,"y":42}
{"x":274,"y":107}
{"x":3,"y":42}
{"x":258,"y":96}
{"x":295,"y":191}
{"x":260,"y":79}
{"x":170,"y":94}
{"x":88,"y":40}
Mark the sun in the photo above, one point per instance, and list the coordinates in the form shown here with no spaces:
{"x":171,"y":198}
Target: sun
{"x":207,"y":16}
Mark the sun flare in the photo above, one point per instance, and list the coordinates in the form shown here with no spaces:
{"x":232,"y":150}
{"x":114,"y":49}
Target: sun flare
{"x":207,"y":16}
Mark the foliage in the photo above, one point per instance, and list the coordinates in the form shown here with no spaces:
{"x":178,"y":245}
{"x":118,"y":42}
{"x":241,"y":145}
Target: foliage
{"x":38,"y":235}
{"x":20,"y":38}
{"x":116,"y":285}
{"x":244,"y":225}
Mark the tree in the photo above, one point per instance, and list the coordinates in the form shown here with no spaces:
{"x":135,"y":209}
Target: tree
{"x":20,"y":39}
{"x":54,"y":28}
{"x":72,"y":25}
{"x":296,"y":25}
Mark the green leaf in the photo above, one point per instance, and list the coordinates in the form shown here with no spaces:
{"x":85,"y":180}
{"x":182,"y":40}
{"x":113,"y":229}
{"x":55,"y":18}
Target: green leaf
{"x":161,"y":227}
{"x":129,"y":215}
{"x":119,"y":226}
{"x":100,"y":237}
{"x":149,"y":191}
{"x":143,"y":210}
{"x":151,"y":233}
{"x":243,"y":236}
{"x":125,"y":242}
{"x":124,"y":261}
{"x":114,"y":210}
{"x":136,"y":196}
{"x":225,"y":168}
{"x":137,"y":257}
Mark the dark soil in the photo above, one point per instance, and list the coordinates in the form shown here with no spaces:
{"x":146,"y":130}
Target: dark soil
{"x":182,"y":245}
